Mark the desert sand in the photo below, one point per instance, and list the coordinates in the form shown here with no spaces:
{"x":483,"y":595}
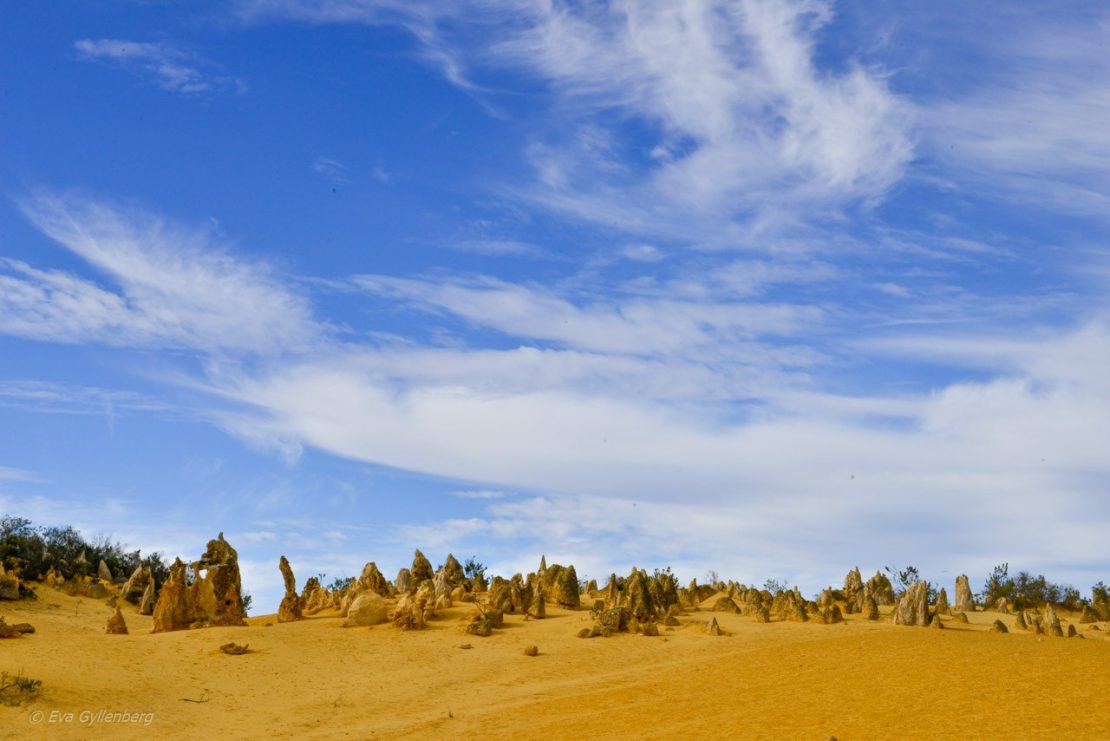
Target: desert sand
{"x":315,"y":679}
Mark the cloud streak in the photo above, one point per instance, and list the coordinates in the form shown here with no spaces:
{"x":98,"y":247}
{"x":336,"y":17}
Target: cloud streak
{"x":176,"y":288}
{"x":163,"y":64}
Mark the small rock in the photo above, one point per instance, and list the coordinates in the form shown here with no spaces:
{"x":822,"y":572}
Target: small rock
{"x":999,"y":627}
{"x":713,"y":628}
{"x":480,"y":628}
{"x":234,"y":649}
{"x":116,"y":624}
{"x":531,"y":651}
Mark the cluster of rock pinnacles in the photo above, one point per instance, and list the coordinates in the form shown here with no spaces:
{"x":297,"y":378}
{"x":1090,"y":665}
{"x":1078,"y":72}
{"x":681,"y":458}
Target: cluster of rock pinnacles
{"x":208,"y":592}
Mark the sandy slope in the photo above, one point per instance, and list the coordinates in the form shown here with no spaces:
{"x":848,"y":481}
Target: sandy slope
{"x":315,"y":679}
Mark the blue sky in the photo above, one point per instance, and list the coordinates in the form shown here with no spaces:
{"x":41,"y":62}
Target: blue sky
{"x":771,"y":287}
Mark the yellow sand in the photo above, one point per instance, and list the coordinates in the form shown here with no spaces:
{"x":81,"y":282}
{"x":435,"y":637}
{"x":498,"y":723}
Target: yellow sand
{"x":317,"y":680}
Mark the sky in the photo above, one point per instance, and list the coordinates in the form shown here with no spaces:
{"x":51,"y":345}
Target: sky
{"x":772,"y":288}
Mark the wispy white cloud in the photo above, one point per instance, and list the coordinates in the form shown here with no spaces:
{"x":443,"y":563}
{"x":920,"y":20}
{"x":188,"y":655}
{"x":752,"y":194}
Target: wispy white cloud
{"x":164,"y":64}
{"x":636,"y":326}
{"x":17,"y":474}
{"x":481,"y":494}
{"x":332,"y":169}
{"x":1030,"y":122}
{"x":746,"y":130}
{"x":176,"y":287}
{"x":42,"y":396}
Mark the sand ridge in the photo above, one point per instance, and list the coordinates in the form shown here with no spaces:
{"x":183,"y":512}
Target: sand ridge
{"x":314,"y":679}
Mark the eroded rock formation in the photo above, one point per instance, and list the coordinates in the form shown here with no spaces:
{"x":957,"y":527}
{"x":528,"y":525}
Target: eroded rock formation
{"x":290,"y":608}
{"x":964,"y":602}
{"x":213,"y":598}
{"x":913,"y":607}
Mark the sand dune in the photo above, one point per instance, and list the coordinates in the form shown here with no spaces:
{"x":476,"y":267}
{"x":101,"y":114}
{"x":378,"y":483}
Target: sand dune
{"x":314,"y":679}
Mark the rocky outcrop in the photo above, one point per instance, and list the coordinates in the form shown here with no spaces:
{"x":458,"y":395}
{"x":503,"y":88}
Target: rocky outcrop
{"x":213,"y":598}
{"x":103,"y":572}
{"x":373,"y":580}
{"x":999,"y":627}
{"x":913,"y":607}
{"x":116,"y":624}
{"x":537,"y":608}
{"x":410,"y":613}
{"x":964,"y":601}
{"x":853,"y":592}
{"x":566,"y":589}
{"x":725,"y":604}
{"x":870,"y":609}
{"x":713,"y":628}
{"x":441,"y":590}
{"x":640,"y":603}
{"x":1052,"y":625}
{"x":290,"y":608}
{"x":174,"y":610}
{"x":403,"y":582}
{"x":421,"y":569}
{"x":453,"y":570}
{"x":612,"y":592}
{"x":133,"y":589}
{"x":1088,"y":615}
{"x":146,"y":604}
{"x":614,"y":619}
{"x":8,"y":631}
{"x":368,"y":608}
{"x":942,"y":607}
{"x":880,"y":589}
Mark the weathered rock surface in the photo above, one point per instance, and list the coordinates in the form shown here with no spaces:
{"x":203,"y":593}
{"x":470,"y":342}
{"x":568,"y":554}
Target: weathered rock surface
{"x":146,"y":604}
{"x":421,"y":568}
{"x":880,"y":589}
{"x":999,"y":627}
{"x":116,"y":624}
{"x":373,"y":580}
{"x":456,"y":576}
{"x":942,"y":607}
{"x":713,"y":628}
{"x":537,"y":608}
{"x":964,"y":602}
{"x":214,"y":597}
{"x":290,"y":608}
{"x":913,"y":608}
{"x":853,"y":592}
{"x":614,"y":619}
{"x":725,"y":604}
{"x":1052,"y":622}
{"x":368,"y":608}
{"x":133,"y":589}
{"x":103,"y":572}
{"x":566,"y":589}
{"x":403,"y":582}
{"x":481,"y":628}
{"x":870,"y":609}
